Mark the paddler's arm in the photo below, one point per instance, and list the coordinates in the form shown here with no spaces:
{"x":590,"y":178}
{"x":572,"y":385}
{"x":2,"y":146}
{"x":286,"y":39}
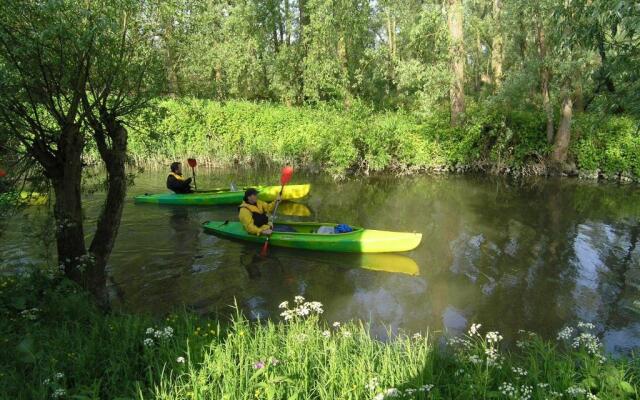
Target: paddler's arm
{"x":246,"y":219}
{"x":268,"y":207}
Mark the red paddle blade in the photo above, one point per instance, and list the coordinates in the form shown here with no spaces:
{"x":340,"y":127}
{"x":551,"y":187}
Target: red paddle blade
{"x":265,"y":246}
{"x":192,"y":162}
{"x":287,"y":173}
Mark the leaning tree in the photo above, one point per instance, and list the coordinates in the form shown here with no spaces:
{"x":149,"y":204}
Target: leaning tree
{"x":71,"y":71}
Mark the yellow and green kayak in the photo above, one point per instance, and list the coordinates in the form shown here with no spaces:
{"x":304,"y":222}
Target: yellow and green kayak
{"x":24,"y":198}
{"x":305,"y":236}
{"x":217,"y":197}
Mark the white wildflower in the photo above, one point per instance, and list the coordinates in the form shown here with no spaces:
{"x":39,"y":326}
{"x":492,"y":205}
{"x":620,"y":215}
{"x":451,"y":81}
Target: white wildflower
{"x":575,"y":391}
{"x":379,"y":396}
{"x":417,"y":336}
{"x":148,"y":342}
{"x":336,"y":324}
{"x":315,"y":306}
{"x":46,"y":381}
{"x":586,"y":325}
{"x":326,"y":334}
{"x":58,"y":393}
{"x":150,"y":331}
{"x":409,"y":392}
{"x":180,"y":360}
{"x":284,"y":304}
{"x":590,"y":342}
{"x":392,"y":392}
{"x":372,"y":385}
{"x":459,"y":372}
{"x":302,"y":311}
{"x":566,"y":333}
{"x":474,"y":359}
{"x":346,"y":334}
{"x":298,"y":299}
{"x":543,"y":385}
{"x":288,"y":315}
{"x":507,"y":389}
{"x":474,"y":329}
{"x":426,"y":388}
{"x":58,"y":375}
{"x":591,"y":396}
{"x":519,"y":371}
{"x":493,"y":337}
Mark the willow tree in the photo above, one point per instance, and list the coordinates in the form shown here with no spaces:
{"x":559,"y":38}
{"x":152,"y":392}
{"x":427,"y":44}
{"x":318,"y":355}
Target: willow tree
{"x":456,"y":51}
{"x":71,"y":72}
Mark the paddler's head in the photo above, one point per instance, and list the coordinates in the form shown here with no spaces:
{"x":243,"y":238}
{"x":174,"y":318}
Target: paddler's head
{"x":176,"y":168}
{"x":251,"y":196}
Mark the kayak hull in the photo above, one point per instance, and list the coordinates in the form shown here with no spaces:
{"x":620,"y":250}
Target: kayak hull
{"x":220,"y":197}
{"x":305,"y":237}
{"x":24,"y":198}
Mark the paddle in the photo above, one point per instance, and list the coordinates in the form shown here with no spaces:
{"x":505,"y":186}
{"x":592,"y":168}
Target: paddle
{"x":285,"y":177}
{"x":192,"y":163}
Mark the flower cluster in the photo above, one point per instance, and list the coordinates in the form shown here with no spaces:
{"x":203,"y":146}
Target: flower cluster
{"x":302,"y":308}
{"x":408,"y":392}
{"x":31,"y":314}
{"x":519,"y":371}
{"x":262,"y":363}
{"x":511,"y":391}
{"x":158,"y":334}
{"x":584,"y":339}
{"x":56,"y":385}
{"x":576,"y":391}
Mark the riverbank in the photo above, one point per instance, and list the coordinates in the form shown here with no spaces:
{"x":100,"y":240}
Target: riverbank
{"x":60,"y":346}
{"x":494,"y":139}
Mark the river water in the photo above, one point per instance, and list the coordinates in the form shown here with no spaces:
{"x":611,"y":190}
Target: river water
{"x":533,"y":255}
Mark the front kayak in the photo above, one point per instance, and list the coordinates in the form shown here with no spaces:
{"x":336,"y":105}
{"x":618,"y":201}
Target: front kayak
{"x":305,"y":236}
{"x":218,"y":197}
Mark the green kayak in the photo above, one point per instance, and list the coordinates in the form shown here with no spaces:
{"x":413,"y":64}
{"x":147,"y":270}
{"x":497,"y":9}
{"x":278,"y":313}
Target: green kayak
{"x":218,"y":197}
{"x":306,"y":236}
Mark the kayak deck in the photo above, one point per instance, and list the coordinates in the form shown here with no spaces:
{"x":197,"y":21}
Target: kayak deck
{"x":305,"y":236}
{"x":224,"y":196}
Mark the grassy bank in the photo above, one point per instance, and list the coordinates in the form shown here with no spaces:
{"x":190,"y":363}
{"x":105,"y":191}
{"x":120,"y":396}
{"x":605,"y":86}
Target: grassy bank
{"x":493,"y":139}
{"x":56,"y":346}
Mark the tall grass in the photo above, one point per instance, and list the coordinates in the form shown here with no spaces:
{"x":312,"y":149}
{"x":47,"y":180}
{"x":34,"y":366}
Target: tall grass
{"x":56,"y":345}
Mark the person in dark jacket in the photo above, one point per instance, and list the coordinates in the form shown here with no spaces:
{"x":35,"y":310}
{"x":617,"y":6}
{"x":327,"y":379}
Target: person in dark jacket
{"x":176,"y":182}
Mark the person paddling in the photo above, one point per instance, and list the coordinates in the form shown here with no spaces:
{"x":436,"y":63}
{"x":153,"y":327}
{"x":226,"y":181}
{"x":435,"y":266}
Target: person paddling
{"x":176,"y":182}
{"x":253,"y":213}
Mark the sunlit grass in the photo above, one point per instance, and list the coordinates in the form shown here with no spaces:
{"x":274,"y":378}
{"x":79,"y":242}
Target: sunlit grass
{"x":59,"y":347}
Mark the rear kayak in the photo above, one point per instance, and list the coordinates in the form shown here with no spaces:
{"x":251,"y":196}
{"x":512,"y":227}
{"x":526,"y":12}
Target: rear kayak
{"x":306,"y":237}
{"x":219,"y":197}
{"x":24,"y":198}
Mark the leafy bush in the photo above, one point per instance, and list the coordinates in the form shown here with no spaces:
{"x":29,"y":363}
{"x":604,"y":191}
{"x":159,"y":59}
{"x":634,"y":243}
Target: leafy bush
{"x":339,"y":141}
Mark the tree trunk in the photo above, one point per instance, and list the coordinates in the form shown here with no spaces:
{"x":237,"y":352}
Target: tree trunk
{"x":544,"y":82}
{"x":497,"y":47}
{"x":456,"y":53}
{"x":563,"y":137}
{"x":66,"y":180}
{"x":108,"y":224}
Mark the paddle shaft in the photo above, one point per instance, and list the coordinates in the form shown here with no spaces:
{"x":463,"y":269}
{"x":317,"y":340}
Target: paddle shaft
{"x":193,"y":172}
{"x":273,"y":218}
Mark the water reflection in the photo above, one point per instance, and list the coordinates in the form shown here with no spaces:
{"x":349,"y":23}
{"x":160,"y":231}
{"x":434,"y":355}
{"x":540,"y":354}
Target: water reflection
{"x":535,"y":255}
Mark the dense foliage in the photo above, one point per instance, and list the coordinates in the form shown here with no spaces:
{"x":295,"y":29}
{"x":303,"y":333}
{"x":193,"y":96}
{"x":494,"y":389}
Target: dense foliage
{"x":59,"y":346}
{"x":494,"y":139}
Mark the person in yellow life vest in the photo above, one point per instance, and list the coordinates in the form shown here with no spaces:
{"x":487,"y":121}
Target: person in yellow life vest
{"x":175,"y":180}
{"x":253,"y":213}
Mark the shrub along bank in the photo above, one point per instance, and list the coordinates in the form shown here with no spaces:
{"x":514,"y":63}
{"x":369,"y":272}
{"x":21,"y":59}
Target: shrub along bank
{"x":57,"y":345}
{"x":340,"y":141}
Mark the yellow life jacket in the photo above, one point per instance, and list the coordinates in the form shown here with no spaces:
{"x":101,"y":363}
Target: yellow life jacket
{"x":178,"y":177}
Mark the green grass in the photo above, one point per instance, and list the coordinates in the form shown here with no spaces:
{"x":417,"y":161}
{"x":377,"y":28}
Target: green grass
{"x":55,"y":342}
{"x":360,"y":140}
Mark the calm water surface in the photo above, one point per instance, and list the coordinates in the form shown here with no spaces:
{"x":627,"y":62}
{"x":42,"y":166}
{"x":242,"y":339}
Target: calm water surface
{"x":533,"y":256}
